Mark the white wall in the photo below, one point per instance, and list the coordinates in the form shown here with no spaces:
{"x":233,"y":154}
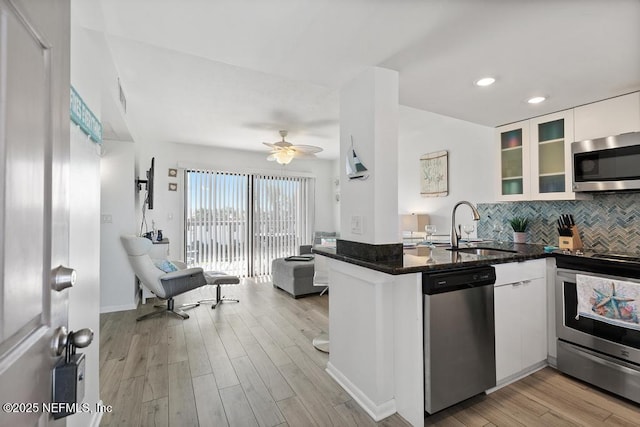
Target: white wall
{"x":84,"y":227}
{"x":168,"y":205}
{"x":117,"y":289}
{"x":472,"y":164}
{"x":84,"y":257}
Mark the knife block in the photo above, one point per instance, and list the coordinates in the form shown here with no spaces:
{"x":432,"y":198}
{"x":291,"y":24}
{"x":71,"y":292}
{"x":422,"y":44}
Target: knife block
{"x":572,"y":242}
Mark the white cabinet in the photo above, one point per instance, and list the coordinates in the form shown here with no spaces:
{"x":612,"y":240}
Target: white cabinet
{"x":514,"y":162}
{"x":612,"y":116}
{"x":534,"y":156}
{"x":551,"y":161}
{"x":535,"y":159}
{"x":521,"y":318}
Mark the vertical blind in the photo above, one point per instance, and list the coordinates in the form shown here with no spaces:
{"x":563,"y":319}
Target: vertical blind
{"x":239,"y":223}
{"x":281,"y":218}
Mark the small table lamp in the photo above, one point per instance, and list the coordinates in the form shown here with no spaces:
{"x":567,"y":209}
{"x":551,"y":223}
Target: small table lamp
{"x":413,"y":222}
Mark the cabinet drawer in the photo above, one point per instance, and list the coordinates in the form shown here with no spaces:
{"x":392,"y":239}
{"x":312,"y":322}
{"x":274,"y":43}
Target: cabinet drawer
{"x":518,"y":271}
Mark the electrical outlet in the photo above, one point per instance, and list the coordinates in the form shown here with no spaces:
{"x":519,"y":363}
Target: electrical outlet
{"x":106,"y":219}
{"x":356,"y":224}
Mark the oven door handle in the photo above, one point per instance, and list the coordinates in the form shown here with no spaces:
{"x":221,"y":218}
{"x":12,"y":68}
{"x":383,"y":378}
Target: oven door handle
{"x":602,"y":360}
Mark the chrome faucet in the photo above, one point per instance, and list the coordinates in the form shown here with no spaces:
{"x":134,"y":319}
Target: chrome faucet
{"x":455,"y":237}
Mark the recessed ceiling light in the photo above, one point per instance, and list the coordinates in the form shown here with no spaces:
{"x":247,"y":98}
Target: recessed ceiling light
{"x":486,"y":81}
{"x":536,"y":100}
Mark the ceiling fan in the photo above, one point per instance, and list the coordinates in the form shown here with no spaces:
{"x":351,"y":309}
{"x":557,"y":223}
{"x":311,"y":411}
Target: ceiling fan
{"x":283,"y":151}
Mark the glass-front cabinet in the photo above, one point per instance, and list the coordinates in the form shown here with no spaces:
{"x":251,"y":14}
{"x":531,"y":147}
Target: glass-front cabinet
{"x":551,"y":138}
{"x":535,"y":159}
{"x":551,"y":160}
{"x":513,"y":158}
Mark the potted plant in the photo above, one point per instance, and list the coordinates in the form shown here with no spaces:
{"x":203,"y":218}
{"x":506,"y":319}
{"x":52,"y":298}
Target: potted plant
{"x":519,"y":225}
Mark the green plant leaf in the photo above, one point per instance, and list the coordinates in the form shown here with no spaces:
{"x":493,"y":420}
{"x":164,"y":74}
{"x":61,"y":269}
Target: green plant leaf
{"x":519,"y":224}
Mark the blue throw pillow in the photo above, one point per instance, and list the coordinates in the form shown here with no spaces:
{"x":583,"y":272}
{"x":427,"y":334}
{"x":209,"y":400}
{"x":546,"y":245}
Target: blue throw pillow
{"x":165,"y":265}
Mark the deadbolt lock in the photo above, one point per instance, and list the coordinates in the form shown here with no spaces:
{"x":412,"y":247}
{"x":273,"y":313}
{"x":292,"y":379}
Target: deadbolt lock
{"x":62,"y":278}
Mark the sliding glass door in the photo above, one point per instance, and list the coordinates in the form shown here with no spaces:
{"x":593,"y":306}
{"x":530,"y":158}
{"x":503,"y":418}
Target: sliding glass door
{"x":239,"y":223}
{"x":217,"y":221}
{"x":282,"y":218}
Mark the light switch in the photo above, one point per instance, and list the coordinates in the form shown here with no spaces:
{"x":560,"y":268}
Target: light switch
{"x":106,"y":219}
{"x":356,"y":224}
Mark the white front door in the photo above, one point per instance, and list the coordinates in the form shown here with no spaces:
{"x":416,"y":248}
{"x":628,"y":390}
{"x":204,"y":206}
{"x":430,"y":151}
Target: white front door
{"x":34,"y":219}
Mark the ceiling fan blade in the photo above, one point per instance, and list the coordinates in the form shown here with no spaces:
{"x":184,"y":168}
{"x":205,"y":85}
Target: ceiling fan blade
{"x":307,"y":148}
{"x":303,"y":155}
{"x":270,"y":145}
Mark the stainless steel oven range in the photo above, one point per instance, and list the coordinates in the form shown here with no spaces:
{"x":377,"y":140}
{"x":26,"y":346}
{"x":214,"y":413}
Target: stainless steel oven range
{"x":605,"y":354}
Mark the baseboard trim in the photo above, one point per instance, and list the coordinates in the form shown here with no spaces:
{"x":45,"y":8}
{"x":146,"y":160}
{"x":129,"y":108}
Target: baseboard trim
{"x":97,"y":415}
{"x":112,"y":308}
{"x":377,"y":412}
{"x":520,"y":375}
{"x":552,"y":361}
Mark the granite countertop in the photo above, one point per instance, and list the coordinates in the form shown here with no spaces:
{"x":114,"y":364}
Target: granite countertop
{"x":394,"y":259}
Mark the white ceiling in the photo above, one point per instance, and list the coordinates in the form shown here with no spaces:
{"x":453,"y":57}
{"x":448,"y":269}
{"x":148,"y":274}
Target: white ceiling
{"x":233,"y":72}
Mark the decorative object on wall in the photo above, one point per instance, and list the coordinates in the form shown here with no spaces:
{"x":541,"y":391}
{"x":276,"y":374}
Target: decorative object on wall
{"x":355,"y":168}
{"x":283,"y":151}
{"x":82,"y":116}
{"x":173,"y":172}
{"x":173,"y":186}
{"x":434,"y":174}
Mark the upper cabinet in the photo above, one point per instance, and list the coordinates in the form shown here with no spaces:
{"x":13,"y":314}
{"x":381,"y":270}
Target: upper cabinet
{"x":612,"y":116}
{"x":535,"y":159}
{"x":551,"y":166}
{"x":534,"y":156}
{"x":513,"y":158}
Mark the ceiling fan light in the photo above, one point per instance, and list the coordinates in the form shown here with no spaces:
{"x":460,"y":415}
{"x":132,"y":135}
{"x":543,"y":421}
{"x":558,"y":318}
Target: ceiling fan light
{"x":283,"y":157}
{"x":284,"y":152}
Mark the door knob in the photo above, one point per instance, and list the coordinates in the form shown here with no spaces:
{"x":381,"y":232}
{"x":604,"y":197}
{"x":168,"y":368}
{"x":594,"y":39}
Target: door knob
{"x":62,"y":278}
{"x":81,"y":338}
{"x":65,"y":340}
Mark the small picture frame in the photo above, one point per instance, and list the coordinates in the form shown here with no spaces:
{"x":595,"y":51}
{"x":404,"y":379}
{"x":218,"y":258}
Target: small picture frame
{"x":173,"y":172}
{"x":434,"y":174}
{"x":173,"y":186}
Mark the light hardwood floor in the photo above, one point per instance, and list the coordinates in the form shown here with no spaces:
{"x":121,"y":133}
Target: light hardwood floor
{"x":252,"y":363}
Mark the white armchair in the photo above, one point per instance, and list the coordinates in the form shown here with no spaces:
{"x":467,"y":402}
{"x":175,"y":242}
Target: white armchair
{"x":164,"y":285}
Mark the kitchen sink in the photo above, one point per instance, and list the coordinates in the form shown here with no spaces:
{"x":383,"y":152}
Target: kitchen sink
{"x":484,"y":251}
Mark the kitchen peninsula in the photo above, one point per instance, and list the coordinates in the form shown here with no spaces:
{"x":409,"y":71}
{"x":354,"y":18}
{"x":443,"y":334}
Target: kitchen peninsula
{"x":376,"y":317}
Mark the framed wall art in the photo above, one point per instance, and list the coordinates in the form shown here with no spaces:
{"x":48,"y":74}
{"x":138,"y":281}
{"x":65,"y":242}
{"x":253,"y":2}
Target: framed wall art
{"x":434,"y":174}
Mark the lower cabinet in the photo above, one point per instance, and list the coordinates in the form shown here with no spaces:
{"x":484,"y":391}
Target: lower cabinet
{"x":520,"y":317}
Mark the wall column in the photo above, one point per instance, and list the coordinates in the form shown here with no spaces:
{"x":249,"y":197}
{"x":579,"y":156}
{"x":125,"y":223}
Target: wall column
{"x":369,"y":114}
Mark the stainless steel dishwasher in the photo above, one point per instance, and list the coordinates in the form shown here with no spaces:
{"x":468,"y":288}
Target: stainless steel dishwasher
{"x":459,"y":335}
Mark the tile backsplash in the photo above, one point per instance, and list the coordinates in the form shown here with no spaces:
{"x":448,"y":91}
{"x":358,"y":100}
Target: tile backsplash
{"x":609,"y":222}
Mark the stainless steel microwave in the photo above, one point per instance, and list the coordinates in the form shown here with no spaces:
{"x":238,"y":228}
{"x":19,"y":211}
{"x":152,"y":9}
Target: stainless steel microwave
{"x":607,"y":164}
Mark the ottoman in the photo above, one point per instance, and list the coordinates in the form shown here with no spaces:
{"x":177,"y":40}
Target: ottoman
{"x":294,"y":277}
